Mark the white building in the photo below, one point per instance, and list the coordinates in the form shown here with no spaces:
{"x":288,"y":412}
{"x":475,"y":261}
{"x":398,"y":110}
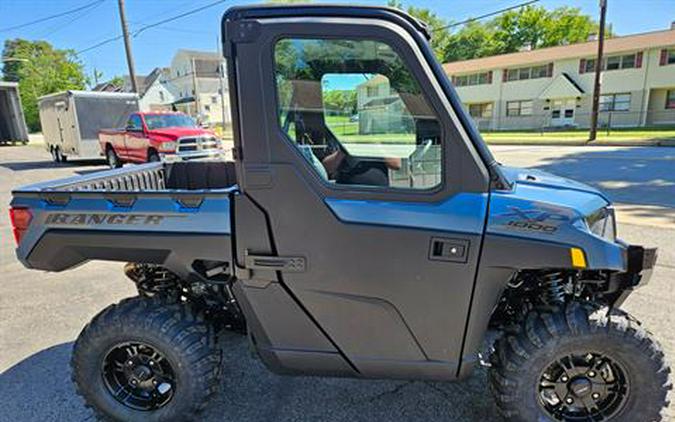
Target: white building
{"x":200,"y":89}
{"x":155,"y":92}
{"x":553,"y":87}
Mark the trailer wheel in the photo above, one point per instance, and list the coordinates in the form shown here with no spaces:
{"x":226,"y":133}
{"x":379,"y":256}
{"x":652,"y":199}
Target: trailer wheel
{"x":580,"y":364}
{"x":147,"y":359}
{"x":55,"y":155}
{"x":112,"y":158}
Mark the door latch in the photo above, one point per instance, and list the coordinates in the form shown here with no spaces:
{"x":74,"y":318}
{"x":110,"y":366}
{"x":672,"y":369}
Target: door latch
{"x":290,"y":264}
{"x":452,"y":250}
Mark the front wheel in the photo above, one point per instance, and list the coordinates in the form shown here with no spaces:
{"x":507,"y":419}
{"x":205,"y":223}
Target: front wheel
{"x":580,"y":364}
{"x":147,"y":359}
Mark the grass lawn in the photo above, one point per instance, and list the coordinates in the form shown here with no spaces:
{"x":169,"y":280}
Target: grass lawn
{"x":631,"y":135}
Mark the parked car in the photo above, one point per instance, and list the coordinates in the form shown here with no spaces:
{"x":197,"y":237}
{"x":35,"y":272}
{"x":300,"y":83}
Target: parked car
{"x":153,"y":136}
{"x":309,"y":246}
{"x":71,"y":120}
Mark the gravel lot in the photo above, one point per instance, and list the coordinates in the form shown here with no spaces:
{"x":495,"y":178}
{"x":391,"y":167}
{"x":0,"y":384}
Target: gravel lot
{"x":42,"y":313}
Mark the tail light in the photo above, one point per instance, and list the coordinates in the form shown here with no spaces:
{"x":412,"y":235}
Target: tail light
{"x":20,"y":218}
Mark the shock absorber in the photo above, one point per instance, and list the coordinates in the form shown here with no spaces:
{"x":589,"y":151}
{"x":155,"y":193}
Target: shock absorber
{"x":553,"y":284}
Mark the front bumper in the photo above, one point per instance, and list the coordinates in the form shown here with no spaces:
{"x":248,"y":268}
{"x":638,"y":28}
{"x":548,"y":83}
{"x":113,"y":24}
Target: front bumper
{"x":640,"y":262}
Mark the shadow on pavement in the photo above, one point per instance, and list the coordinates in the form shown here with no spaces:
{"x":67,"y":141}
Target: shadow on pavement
{"x":39,"y":389}
{"x":639,"y":175}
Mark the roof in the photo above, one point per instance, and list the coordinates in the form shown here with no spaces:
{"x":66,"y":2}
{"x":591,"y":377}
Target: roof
{"x":199,"y":54}
{"x":545,"y":55}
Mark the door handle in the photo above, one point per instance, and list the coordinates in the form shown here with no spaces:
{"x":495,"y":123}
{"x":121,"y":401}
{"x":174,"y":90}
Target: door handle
{"x":451,"y":250}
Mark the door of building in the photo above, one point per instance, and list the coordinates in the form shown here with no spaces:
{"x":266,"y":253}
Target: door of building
{"x":562,"y":111}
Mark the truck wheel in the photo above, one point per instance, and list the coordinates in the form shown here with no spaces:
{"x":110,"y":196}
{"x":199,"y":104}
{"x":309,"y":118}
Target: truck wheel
{"x":153,"y":157}
{"x":580,"y":364}
{"x":147,"y":359}
{"x":112,"y":158}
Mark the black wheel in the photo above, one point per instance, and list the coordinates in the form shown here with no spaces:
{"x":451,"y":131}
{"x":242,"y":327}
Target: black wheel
{"x":147,"y":359}
{"x":580,"y":364}
{"x":112,"y":158}
{"x":153,"y":157}
{"x":56,"y":156}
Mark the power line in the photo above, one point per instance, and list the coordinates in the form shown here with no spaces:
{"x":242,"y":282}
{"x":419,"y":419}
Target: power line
{"x":70,"y":22}
{"x":179,"y":16}
{"x":487,"y":15}
{"x":151,"y":25}
{"x":58,"y":15}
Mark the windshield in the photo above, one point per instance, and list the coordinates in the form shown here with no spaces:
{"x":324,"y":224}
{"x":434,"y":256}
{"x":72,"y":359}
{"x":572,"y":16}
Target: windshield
{"x":157,"y":121}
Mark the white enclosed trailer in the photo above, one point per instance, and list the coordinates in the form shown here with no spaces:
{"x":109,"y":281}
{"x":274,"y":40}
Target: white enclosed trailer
{"x":12,"y":122}
{"x":71,"y":120}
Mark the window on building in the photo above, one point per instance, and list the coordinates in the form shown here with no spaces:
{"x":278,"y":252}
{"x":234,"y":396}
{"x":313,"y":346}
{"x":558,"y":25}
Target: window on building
{"x":207,"y":108}
{"x":214,"y":99}
{"x":161,"y":96}
{"x":627,"y":61}
{"x":349,"y":131}
{"x":670,"y":58}
{"x":670,"y":99}
{"x":615,"y":102}
{"x":519,"y":108}
{"x":482,"y":78}
{"x":532,"y":72}
{"x":480,"y":110}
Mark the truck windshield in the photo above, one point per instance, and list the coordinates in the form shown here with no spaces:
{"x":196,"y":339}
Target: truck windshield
{"x":157,"y":121}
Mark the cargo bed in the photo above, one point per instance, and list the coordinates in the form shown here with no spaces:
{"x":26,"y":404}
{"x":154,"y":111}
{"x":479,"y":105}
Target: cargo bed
{"x":181,"y":210}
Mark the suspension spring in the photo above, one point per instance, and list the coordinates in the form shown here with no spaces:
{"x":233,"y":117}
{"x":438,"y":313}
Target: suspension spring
{"x":554,"y":288}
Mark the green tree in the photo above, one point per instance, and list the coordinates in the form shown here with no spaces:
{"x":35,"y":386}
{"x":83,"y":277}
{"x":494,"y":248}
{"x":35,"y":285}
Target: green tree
{"x":437,"y":26}
{"x":471,"y":41}
{"x":40,"y":69}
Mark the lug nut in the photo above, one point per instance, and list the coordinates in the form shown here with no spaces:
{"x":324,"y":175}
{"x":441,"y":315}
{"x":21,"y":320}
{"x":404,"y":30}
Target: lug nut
{"x":569,"y":400}
{"x":130,"y":363}
{"x":152,"y":363}
{"x":591,"y":374}
{"x":595,"y":396}
{"x":564,"y":378}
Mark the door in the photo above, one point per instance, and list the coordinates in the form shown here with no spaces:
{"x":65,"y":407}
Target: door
{"x":562,"y":112}
{"x":135,"y":142}
{"x":374,"y":197}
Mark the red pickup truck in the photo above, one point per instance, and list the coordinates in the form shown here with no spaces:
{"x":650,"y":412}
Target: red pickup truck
{"x":153,"y":136}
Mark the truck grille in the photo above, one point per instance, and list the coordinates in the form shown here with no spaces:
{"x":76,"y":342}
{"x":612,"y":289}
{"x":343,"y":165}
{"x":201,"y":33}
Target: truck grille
{"x":197,"y":143}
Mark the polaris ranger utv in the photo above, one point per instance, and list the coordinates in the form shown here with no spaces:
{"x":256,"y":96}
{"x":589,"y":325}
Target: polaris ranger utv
{"x":363,"y":230}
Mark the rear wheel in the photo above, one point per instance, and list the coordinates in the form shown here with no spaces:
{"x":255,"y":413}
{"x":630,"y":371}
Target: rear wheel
{"x":112,"y":158}
{"x":147,"y":359}
{"x":580,"y":364}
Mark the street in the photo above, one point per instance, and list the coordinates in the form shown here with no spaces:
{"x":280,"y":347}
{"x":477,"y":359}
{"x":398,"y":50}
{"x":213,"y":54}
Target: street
{"x":41,"y":314}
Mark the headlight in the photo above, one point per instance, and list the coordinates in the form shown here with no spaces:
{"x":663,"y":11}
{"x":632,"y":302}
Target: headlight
{"x":603,"y":223}
{"x":167,"y":146}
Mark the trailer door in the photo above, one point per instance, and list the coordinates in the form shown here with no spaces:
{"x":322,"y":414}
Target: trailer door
{"x":375,"y":198}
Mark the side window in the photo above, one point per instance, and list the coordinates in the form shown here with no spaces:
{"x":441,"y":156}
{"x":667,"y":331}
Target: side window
{"x":357,"y":114}
{"x":135,"y":122}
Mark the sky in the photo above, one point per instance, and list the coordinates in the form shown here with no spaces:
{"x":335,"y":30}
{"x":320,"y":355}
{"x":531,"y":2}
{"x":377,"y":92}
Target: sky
{"x":156,"y":46}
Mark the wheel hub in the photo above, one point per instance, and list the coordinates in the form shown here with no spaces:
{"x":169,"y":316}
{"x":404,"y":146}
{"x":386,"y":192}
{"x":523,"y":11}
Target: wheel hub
{"x":582,"y":387}
{"x":138,"y":376}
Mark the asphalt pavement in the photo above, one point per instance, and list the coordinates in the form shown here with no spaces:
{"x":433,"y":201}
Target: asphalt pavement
{"x":41,"y":314}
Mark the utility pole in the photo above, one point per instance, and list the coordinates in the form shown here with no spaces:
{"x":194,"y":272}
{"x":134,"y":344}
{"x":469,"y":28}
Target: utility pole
{"x":127,"y":46}
{"x":598,"y":70}
{"x":221,"y":76}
